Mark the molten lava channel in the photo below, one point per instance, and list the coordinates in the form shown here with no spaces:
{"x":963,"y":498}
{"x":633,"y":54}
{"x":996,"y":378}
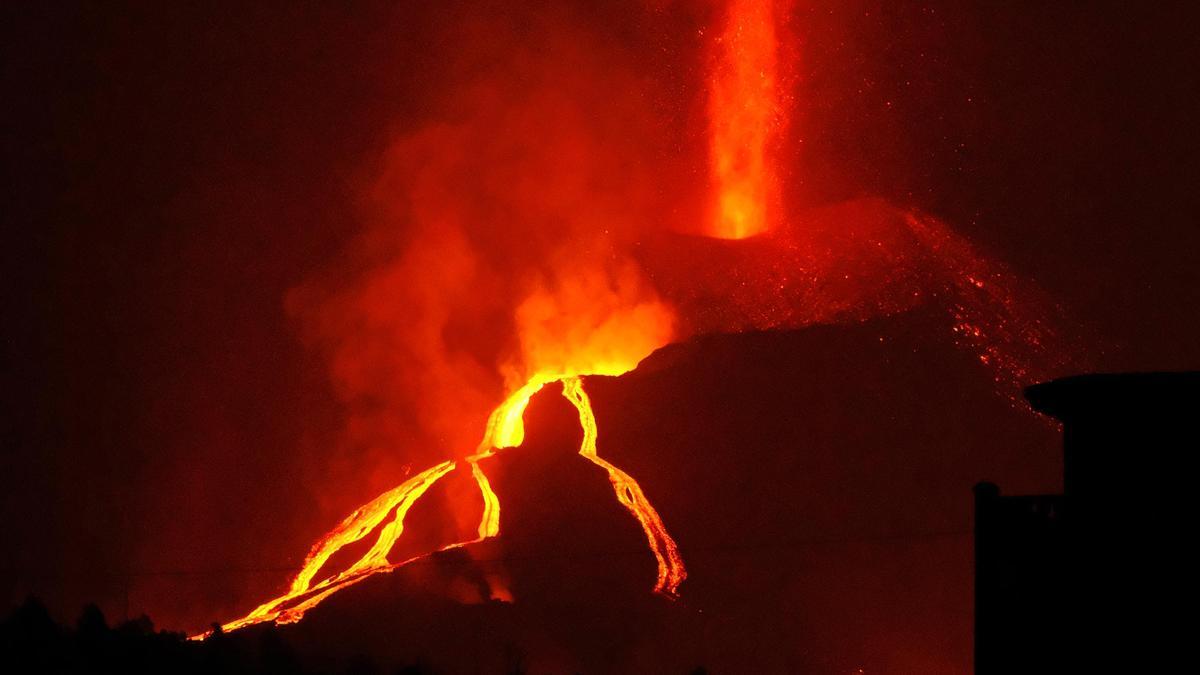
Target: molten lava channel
{"x":505,"y":429}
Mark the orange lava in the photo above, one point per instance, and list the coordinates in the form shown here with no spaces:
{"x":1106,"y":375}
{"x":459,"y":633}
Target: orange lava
{"x":505,"y":429}
{"x":304,"y":595}
{"x":744,"y":114}
{"x":671,"y":571}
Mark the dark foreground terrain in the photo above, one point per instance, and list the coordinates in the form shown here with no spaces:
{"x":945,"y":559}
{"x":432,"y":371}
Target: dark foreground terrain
{"x":818,"y":483}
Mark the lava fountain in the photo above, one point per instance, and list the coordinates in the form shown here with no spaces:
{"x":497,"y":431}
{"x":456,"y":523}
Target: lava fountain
{"x":745,"y":119}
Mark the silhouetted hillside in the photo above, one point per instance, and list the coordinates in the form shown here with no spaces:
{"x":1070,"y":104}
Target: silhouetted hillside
{"x":32,"y":642}
{"x":818,"y":483}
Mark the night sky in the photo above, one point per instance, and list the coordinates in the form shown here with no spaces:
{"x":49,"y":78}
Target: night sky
{"x":178,"y":181}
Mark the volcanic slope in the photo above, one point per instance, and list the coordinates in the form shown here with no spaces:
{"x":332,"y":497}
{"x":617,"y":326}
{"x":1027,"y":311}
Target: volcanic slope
{"x":818,"y":483}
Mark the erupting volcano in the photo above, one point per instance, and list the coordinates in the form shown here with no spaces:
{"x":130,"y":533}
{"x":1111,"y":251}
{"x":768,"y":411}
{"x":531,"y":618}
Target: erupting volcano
{"x":600,"y":302}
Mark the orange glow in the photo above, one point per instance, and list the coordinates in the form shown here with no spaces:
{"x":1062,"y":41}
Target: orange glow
{"x":590,"y":322}
{"x":744,"y":114}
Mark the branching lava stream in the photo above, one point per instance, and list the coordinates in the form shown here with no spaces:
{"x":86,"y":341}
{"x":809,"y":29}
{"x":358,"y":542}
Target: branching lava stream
{"x":505,"y":429}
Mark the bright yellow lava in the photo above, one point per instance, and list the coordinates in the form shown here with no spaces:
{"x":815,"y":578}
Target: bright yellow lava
{"x":671,"y":571}
{"x":505,"y":429}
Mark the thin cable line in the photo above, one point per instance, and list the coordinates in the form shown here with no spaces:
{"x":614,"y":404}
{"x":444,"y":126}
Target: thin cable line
{"x":457,"y":556}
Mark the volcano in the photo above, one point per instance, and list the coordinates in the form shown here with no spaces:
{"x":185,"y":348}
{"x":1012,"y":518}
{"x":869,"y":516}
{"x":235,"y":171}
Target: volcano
{"x":497,"y":269}
{"x":819,"y":485}
{"x":269,"y":266}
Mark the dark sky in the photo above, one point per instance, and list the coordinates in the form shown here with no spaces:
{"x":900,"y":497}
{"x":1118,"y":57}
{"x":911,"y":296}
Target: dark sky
{"x":171,"y":172}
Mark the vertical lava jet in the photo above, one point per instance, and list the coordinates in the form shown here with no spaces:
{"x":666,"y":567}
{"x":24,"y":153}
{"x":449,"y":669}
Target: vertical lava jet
{"x":745,"y":118}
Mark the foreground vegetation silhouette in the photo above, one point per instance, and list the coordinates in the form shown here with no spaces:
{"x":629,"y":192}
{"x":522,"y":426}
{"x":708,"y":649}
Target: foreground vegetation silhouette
{"x":32,"y":642}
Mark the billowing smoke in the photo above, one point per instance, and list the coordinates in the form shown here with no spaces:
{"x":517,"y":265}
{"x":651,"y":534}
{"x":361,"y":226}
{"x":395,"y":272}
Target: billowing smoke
{"x":520,"y":229}
{"x":497,"y":241}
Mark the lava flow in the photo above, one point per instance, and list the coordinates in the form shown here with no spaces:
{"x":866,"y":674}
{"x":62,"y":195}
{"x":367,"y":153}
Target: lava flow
{"x":505,"y":429}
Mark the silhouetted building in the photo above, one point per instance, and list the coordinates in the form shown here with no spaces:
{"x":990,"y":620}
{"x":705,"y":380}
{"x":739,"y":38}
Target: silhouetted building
{"x":1100,"y":578}
{"x":1020,"y":570}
